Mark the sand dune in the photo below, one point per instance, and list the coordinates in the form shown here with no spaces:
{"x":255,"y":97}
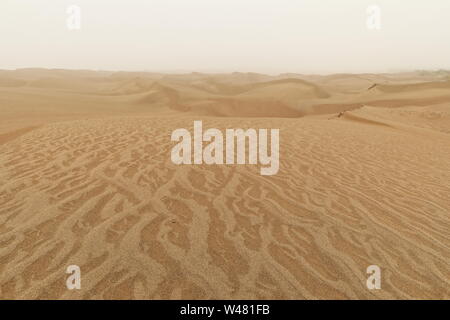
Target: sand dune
{"x":414,"y":87}
{"x":86,"y":179}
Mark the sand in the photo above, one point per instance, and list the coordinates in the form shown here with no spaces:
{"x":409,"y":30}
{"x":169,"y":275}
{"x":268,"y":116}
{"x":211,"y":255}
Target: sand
{"x":86,"y":179}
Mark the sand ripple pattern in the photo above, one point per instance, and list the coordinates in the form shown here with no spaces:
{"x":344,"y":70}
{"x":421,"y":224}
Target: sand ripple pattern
{"x":104,"y":195}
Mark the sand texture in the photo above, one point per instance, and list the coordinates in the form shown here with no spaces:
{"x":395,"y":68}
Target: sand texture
{"x":86,"y":178}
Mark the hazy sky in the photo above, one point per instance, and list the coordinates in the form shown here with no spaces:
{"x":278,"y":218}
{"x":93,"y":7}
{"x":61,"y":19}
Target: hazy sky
{"x":308,"y":36}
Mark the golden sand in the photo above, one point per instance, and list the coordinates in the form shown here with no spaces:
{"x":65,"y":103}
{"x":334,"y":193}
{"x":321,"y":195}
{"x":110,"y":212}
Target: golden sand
{"x":86,"y":179}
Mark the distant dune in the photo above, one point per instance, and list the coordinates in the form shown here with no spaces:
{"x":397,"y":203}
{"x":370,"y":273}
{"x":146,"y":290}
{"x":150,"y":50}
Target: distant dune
{"x":86,"y":179}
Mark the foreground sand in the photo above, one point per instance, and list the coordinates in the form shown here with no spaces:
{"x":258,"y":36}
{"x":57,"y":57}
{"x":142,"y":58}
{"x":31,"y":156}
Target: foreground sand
{"x":86,"y":179}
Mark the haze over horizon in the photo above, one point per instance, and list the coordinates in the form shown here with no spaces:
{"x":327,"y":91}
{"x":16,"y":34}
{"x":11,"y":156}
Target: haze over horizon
{"x":310,"y":166}
{"x":206,"y":36}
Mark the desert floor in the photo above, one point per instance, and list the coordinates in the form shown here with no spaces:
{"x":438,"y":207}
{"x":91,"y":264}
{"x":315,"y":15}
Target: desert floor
{"x":86,"y":179}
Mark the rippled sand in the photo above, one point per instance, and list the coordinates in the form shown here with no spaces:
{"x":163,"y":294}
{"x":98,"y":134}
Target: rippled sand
{"x":94,"y":186}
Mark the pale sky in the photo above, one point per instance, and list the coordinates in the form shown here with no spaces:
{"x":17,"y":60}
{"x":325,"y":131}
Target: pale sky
{"x":269,"y":36}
